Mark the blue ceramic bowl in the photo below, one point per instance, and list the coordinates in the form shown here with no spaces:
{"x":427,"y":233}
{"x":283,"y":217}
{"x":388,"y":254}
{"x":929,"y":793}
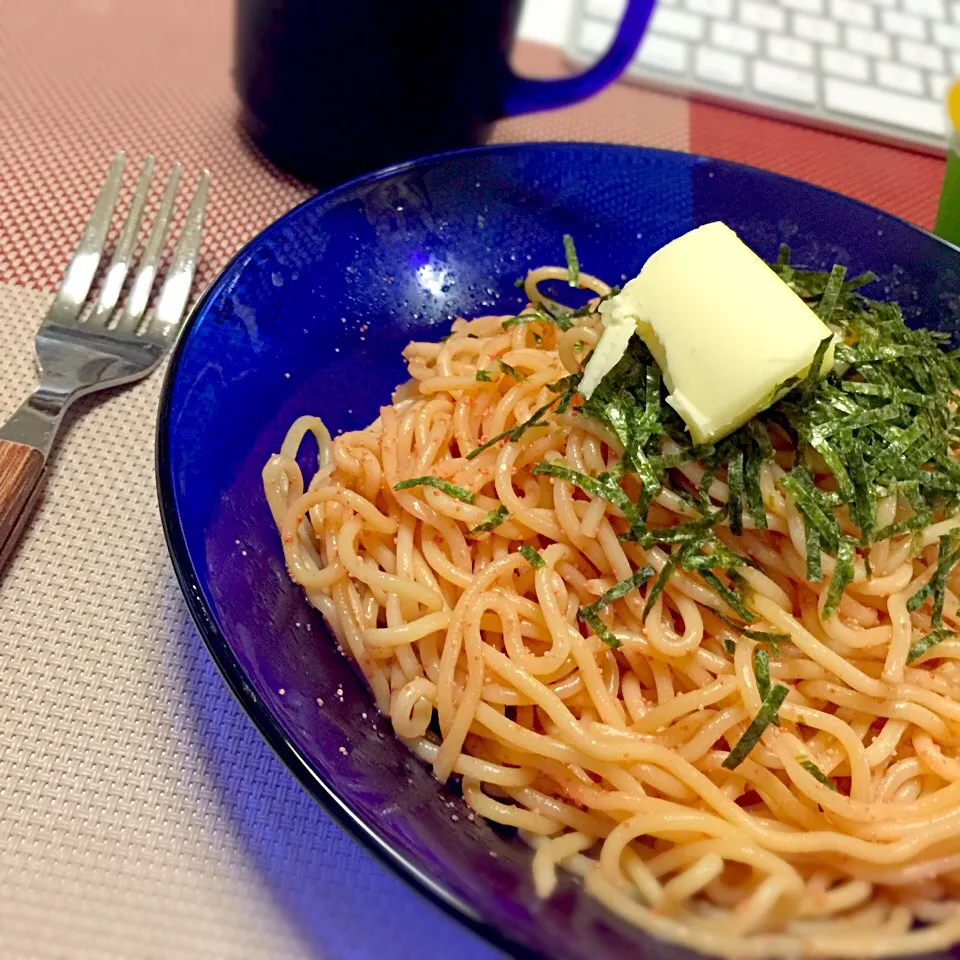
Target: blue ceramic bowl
{"x":311,"y":317}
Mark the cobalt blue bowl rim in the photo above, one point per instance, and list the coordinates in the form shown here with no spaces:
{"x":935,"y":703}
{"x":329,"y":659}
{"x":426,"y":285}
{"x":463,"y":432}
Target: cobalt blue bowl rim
{"x":322,"y":790}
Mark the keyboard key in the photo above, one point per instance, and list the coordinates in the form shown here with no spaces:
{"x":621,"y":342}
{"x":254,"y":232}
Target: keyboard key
{"x":790,"y":50}
{"x":934,"y":9}
{"x":867,"y":102}
{"x":939,"y":85}
{"x":732,"y":36}
{"x":711,"y":8}
{"x":921,"y":55}
{"x":899,"y":24}
{"x":762,"y":15}
{"x":955,"y":63}
{"x":955,"y":11}
{"x":842,"y":63}
{"x":897,"y":77}
{"x":851,"y":11}
{"x":803,"y":6}
{"x":784,"y":83}
{"x":947,"y":35}
{"x":663,"y":53}
{"x":608,"y":9}
{"x":870,"y":42}
{"x":816,"y":29}
{"x":719,"y":66}
{"x":884,"y":4}
{"x":677,"y":23}
{"x":596,"y":37}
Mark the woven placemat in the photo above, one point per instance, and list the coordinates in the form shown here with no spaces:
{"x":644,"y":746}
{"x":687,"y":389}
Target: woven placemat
{"x":141,"y":816}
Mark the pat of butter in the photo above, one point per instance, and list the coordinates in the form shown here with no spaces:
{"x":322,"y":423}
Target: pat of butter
{"x":726,"y":331}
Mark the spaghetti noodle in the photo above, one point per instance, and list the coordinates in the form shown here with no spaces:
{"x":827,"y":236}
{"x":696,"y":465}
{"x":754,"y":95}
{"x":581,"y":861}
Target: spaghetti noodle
{"x":600,"y":706}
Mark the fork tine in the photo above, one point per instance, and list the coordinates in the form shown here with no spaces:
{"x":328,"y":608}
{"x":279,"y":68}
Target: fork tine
{"x":176,"y":285}
{"x":126,"y":244}
{"x":139,"y":295}
{"x":83,"y":267}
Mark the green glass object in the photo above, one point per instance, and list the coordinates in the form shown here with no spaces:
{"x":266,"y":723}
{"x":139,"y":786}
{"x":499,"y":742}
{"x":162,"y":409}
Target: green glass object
{"x":948,"y":212}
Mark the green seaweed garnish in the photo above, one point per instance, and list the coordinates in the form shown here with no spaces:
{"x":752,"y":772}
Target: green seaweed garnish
{"x":618,"y":590}
{"x":604,"y":486}
{"x":842,"y":575}
{"x":532,"y":556}
{"x":918,"y":649}
{"x":735,"y":470}
{"x":831,"y":295}
{"x":528,"y":316}
{"x":883,"y":422}
{"x":665,"y":573}
{"x":510,"y":371}
{"x":760,"y":636}
{"x":761,"y":668}
{"x":592,"y":619}
{"x":816,"y":772}
{"x":483,"y":376}
{"x":766,"y":715}
{"x":491,"y":521}
{"x":573,"y":262}
{"x":936,"y":588}
{"x":515,"y":433}
{"x":730,"y":597}
{"x":450,"y":489}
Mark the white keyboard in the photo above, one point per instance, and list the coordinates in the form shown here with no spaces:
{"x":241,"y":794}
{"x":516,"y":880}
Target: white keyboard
{"x":877,"y":67}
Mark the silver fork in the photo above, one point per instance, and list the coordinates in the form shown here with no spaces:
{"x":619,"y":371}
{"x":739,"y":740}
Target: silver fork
{"x":85,"y":346}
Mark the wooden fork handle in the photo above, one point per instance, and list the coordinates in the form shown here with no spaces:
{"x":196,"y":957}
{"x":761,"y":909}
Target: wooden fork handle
{"x":21,"y":470}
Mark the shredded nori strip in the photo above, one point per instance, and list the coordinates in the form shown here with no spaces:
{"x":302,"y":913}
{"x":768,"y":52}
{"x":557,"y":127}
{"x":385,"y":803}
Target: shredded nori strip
{"x":491,"y":521}
{"x":947,"y":559}
{"x":605,"y":487}
{"x":532,"y":556}
{"x":735,"y":487}
{"x":761,"y":636}
{"x":816,"y":772}
{"x":761,"y":668}
{"x":514,"y":433}
{"x":812,"y":380}
{"x":842,"y":575}
{"x":533,"y":315}
{"x":751,"y":736}
{"x":573,"y":262}
{"x":831,"y":294}
{"x":732,"y":599}
{"x":618,"y":590}
{"x":666,"y":572}
{"x":759,"y":451}
{"x":510,"y":371}
{"x":918,"y":649}
{"x":592,"y":619}
{"x":450,"y":489}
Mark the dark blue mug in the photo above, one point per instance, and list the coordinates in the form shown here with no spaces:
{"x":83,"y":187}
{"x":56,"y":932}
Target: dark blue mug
{"x":334,"y":88}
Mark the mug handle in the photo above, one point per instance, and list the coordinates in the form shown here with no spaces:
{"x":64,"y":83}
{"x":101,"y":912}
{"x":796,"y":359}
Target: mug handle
{"x":526,"y":95}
